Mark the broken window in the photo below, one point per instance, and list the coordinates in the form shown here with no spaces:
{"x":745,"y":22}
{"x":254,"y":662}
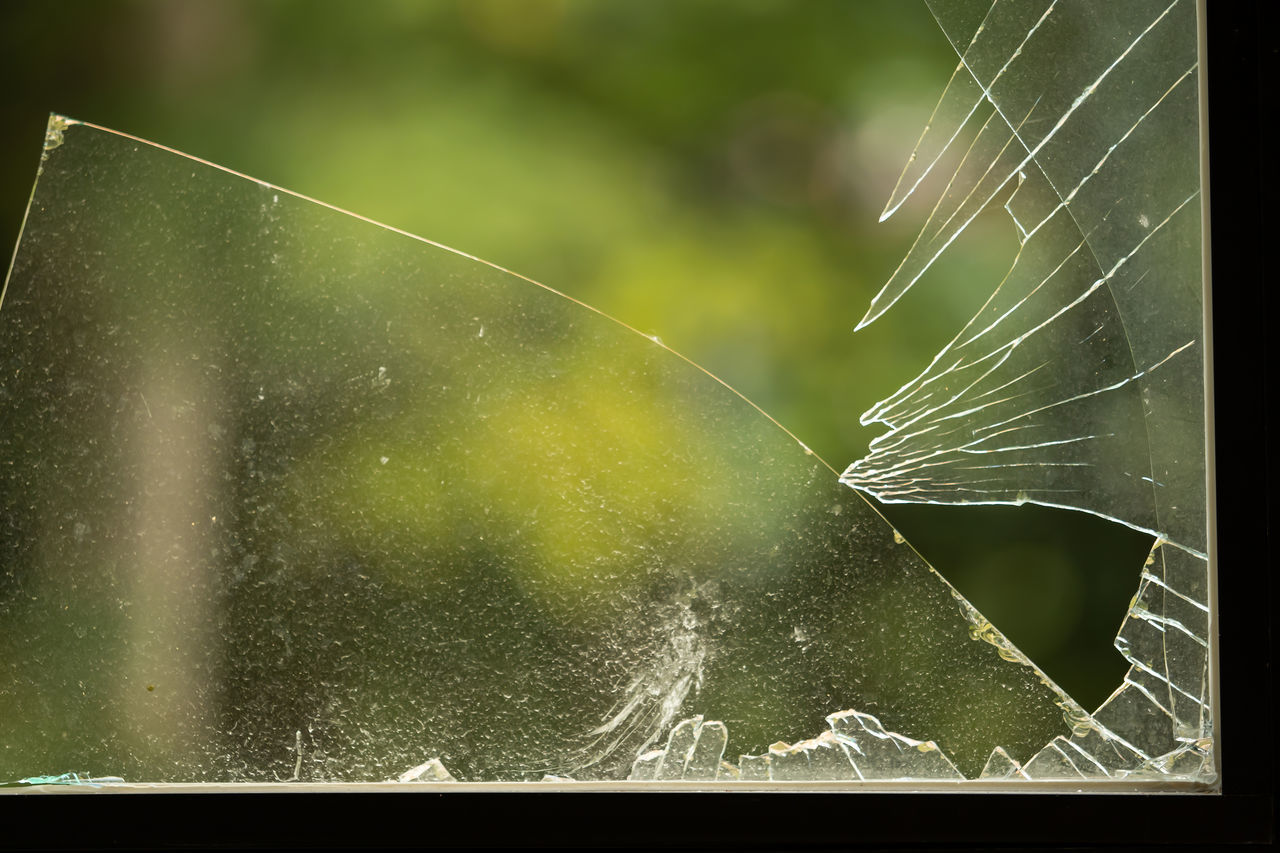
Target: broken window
{"x":290,"y":495}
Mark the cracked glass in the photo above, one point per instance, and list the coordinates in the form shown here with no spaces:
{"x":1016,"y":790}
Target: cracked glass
{"x":293,"y":496}
{"x":1080,"y":383}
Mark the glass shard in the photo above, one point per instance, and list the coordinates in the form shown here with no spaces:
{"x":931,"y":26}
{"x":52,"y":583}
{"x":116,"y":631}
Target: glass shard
{"x":855,"y":748}
{"x":430,"y":771}
{"x":290,"y":495}
{"x":1000,"y":767}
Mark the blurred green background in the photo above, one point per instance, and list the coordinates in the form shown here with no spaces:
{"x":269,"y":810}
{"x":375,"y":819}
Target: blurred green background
{"x":709,"y":172}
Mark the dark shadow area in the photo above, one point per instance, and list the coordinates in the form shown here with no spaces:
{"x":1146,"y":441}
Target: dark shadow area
{"x":1056,"y":582}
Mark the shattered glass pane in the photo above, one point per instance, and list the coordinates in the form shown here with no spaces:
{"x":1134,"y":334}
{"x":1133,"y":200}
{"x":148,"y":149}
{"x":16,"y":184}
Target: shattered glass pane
{"x":288,"y":495}
{"x":1080,"y":383}
{"x":1071,"y":386}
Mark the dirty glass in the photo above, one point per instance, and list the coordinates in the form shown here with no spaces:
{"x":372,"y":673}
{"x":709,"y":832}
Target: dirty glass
{"x":292,"y":496}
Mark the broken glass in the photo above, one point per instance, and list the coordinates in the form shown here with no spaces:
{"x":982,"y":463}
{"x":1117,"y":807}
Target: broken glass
{"x":291,"y":495}
{"x":1080,"y":382}
{"x":1071,"y":385}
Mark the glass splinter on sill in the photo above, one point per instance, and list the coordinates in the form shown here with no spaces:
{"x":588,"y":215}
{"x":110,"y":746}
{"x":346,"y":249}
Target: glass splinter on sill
{"x":291,"y":495}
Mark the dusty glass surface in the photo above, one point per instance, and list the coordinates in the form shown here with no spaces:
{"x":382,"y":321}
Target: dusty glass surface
{"x":290,"y":495}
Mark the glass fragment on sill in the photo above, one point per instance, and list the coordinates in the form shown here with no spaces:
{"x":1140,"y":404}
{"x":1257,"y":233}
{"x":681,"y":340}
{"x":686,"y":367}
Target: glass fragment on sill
{"x":856,"y":748}
{"x":74,"y":779}
{"x":290,"y":495}
{"x":1079,"y":384}
{"x":429,"y":771}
